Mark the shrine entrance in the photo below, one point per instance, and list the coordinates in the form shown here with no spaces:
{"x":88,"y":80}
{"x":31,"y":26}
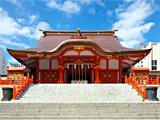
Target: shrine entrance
{"x":78,"y":74}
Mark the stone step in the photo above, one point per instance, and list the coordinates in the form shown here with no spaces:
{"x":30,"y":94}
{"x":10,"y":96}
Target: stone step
{"x":81,"y":114}
{"x":70,"y":93}
{"x":19,"y":111}
{"x":79,"y":117}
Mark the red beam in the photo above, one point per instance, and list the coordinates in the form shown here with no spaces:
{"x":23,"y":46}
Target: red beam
{"x":31,"y":63}
{"x":139,"y":55}
{"x":78,"y":63}
{"x":23,"y":56}
{"x":126,"y":63}
{"x":130,"y":60}
{"x":27,"y":60}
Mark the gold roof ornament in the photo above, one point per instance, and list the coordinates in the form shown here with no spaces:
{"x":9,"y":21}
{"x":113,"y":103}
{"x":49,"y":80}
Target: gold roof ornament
{"x":78,"y":35}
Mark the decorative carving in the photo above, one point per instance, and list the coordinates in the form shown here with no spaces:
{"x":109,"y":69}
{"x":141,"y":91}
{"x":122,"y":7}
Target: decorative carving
{"x":49,"y":77}
{"x":140,"y":74}
{"x":78,"y":47}
{"x":16,"y":75}
{"x":78,"y":35}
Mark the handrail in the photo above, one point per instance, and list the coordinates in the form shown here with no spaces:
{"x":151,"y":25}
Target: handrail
{"x":137,"y":86}
{"x":20,"y":88}
{"x":11,"y":81}
{"x":148,"y":81}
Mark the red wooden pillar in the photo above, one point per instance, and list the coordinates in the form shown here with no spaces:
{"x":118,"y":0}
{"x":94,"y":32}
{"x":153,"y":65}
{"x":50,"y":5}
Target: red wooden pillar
{"x":120,"y":70}
{"x":96,"y":69}
{"x":14,"y":93}
{"x":61,"y":68}
{"x":37,"y":72}
{"x":144,"y":97}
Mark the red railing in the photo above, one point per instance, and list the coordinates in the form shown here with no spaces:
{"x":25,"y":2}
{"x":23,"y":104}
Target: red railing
{"x":151,"y":81}
{"x":20,"y":88}
{"x":137,"y":86}
{"x":10,"y":82}
{"x":148,"y":81}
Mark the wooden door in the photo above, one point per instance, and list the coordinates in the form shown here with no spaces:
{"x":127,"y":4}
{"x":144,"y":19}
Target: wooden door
{"x":50,"y":76}
{"x":108,"y":76}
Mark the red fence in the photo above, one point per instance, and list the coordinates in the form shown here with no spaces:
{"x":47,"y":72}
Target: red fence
{"x":136,"y":83}
{"x":148,"y":81}
{"x":21,"y":85}
{"x":137,"y":86}
{"x":10,"y":82}
{"x":20,"y":88}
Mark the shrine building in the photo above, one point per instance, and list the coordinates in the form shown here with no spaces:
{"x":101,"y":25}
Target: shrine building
{"x":78,"y":57}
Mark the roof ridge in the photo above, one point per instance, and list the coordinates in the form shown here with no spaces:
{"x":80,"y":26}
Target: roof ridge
{"x":74,"y":31}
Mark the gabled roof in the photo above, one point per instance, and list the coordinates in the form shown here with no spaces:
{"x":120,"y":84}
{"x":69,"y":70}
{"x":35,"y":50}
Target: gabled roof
{"x":51,"y":43}
{"x":105,"y":41}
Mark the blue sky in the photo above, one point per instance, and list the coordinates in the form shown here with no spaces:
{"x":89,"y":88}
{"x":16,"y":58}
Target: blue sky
{"x":137,"y":21}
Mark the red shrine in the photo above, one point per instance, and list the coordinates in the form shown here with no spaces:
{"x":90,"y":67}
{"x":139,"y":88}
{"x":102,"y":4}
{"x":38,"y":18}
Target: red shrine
{"x":78,"y":57}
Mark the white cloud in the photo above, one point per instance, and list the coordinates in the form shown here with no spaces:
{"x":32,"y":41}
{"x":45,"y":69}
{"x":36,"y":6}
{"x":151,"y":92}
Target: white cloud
{"x":128,"y":0}
{"x":3,"y":46}
{"x":25,"y":31}
{"x":91,"y":11}
{"x":35,"y":33}
{"x":99,"y":2}
{"x":9,"y":27}
{"x":72,"y":6}
{"x":32,"y":18}
{"x":68,"y":6}
{"x":109,"y":13}
{"x":15,"y":2}
{"x":131,"y":23}
{"x":53,"y":4}
{"x":87,"y":2}
{"x":12,"y":60}
{"x":20,"y":20}
{"x":6,"y":41}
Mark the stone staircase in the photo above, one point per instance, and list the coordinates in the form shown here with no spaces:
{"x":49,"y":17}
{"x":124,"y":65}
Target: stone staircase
{"x":83,"y":111}
{"x":79,"y":101}
{"x":79,"y":93}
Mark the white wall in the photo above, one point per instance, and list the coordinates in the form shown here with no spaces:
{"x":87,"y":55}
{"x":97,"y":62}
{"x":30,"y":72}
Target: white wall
{"x":103,"y":64}
{"x":158,"y":56}
{"x":153,"y":55}
{"x":86,"y":53}
{"x":43,"y":64}
{"x":54,"y":64}
{"x":3,"y":64}
{"x":113,"y":64}
{"x":71,"y":53}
